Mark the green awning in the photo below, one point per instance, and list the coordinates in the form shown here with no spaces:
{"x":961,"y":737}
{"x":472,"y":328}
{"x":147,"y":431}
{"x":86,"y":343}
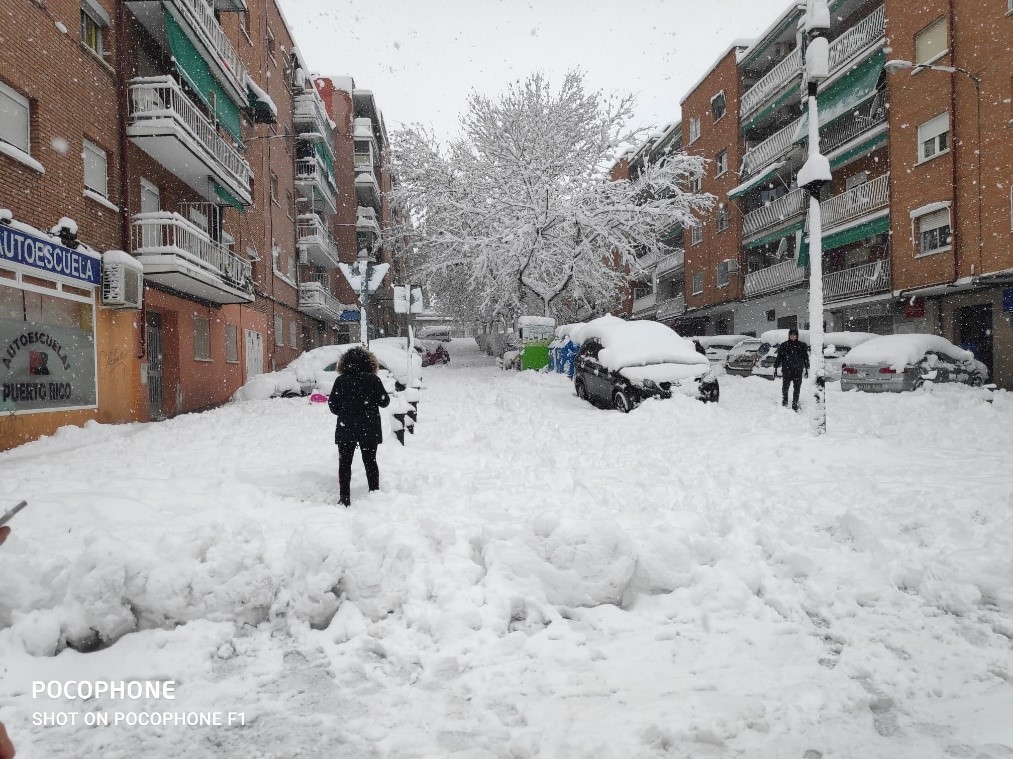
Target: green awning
{"x":756,"y":181}
{"x":858,"y":150}
{"x":774,"y":236}
{"x":845,"y":237}
{"x":845,"y":95}
{"x":262,"y":111}
{"x":197,"y":74}
{"x":324,"y":154}
{"x":229,"y":198}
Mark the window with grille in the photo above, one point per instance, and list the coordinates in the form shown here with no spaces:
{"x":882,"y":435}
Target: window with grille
{"x":719,"y":105}
{"x":201,"y":338}
{"x":721,"y":163}
{"x":934,"y":232}
{"x":92,"y":32}
{"x":15,"y":119}
{"x":722,"y":217}
{"x":934,"y":137}
{"x":694,"y":130}
{"x":96,"y":175}
{"x":279,"y":331}
{"x":232,"y":343}
{"x":293,"y":334}
{"x":931,"y":43}
{"x":697,"y":283}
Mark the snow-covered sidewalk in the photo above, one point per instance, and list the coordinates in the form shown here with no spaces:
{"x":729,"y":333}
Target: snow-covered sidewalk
{"x":537,"y":578}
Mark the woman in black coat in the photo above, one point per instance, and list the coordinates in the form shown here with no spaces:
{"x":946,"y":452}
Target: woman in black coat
{"x":356,"y":399}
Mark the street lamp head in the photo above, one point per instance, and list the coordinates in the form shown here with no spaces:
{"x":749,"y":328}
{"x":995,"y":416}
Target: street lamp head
{"x":363,"y":255}
{"x":892,"y":66}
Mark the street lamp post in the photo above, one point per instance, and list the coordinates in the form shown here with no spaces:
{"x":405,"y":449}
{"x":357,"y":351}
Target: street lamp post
{"x":813,"y":176}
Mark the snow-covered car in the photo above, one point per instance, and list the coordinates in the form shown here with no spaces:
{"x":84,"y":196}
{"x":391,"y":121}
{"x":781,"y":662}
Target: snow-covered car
{"x":764,"y":365}
{"x":622,"y":363}
{"x":741,"y":358}
{"x":441,"y":334}
{"x":716,"y":347}
{"x":836,"y":346}
{"x":895,"y":363}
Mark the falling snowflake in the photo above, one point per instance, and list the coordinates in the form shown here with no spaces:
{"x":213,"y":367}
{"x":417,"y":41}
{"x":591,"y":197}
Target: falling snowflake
{"x":60,"y":145}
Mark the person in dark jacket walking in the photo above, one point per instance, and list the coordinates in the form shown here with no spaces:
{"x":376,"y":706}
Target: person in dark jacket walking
{"x":793,"y":358}
{"x":356,"y":399}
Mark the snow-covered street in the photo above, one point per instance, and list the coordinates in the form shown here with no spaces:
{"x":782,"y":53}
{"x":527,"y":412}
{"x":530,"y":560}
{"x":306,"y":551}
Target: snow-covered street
{"x":537,"y":578}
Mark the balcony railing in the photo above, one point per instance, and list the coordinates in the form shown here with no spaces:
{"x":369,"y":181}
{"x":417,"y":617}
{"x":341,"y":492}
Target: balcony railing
{"x":316,"y":300}
{"x":166,"y":234}
{"x":773,"y":81}
{"x":158,"y":104}
{"x":857,"y":39}
{"x":858,"y":281}
{"x":363,"y":128}
{"x":669,"y":309}
{"x":669,"y":263}
{"x":777,"y":277}
{"x":309,"y":116}
{"x":645,"y":303}
{"x":313,"y":238}
{"x":367,"y":187}
{"x":365,"y":220}
{"x":201,"y":17}
{"x":846,"y":129}
{"x":363,"y":162}
{"x":777,"y":212}
{"x":770,"y":149}
{"x":857,"y":202}
{"x":315,"y":183}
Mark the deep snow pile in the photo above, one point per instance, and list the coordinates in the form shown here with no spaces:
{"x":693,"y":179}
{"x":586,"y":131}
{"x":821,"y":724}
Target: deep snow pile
{"x":537,"y":577}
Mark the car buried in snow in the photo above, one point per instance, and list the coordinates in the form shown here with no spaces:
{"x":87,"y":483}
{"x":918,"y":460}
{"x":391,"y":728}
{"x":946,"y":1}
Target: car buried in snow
{"x":716,"y":347}
{"x":896,"y":363}
{"x":741,"y":358}
{"x":623,"y":363}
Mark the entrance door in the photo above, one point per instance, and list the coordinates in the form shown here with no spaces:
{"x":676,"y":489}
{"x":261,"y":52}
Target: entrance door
{"x":151,"y":202}
{"x":974,"y":332}
{"x":254,"y":353}
{"x":156,"y":354}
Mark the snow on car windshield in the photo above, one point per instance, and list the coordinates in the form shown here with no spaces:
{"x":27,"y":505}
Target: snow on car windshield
{"x":639,"y":343}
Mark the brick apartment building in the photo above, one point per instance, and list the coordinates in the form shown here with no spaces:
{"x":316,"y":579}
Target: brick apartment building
{"x":191,"y":136}
{"x":917,"y":231}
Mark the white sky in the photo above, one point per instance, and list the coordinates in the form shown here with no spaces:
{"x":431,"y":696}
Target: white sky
{"x":421,"y":58}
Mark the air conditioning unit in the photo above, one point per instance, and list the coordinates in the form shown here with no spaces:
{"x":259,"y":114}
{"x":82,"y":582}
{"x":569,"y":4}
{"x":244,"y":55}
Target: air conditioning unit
{"x":733,"y":265}
{"x":122,"y":280}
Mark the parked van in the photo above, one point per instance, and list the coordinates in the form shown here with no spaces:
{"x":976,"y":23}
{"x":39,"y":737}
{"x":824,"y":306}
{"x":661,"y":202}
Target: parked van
{"x":435,"y":333}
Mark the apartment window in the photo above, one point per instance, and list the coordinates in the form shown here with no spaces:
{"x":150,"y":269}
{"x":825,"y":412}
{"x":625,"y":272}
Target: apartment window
{"x":244,"y":23}
{"x":201,"y":338}
{"x":722,"y":274}
{"x":279,"y":331}
{"x":697,"y":283}
{"x":722,"y":217}
{"x":694,"y":130}
{"x":15,"y":119}
{"x":719,"y":105}
{"x":290,"y":203}
{"x":856,"y":180}
{"x":934,"y":232}
{"x":96,"y":175}
{"x":232,"y":343}
{"x":696,"y":234}
{"x":931,"y":42}
{"x":293,"y":334}
{"x":721,"y":163}
{"x":270,"y":47}
{"x":934,"y":137}
{"x":91,"y":32}
{"x":696,"y":184}
{"x":274,"y":187}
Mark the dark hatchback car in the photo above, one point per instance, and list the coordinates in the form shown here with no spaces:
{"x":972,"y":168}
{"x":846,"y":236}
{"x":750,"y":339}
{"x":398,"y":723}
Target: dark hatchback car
{"x":624,"y":389}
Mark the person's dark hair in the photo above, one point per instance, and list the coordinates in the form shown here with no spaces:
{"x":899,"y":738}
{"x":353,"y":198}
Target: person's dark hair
{"x":358,"y":360}
{"x":792,"y":331}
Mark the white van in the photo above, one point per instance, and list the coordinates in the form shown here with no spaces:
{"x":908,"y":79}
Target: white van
{"x":442,"y":334}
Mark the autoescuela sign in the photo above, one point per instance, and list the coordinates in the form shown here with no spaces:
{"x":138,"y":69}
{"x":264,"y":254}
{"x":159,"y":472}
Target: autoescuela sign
{"x":45,"y":367}
{"x":32,"y":252}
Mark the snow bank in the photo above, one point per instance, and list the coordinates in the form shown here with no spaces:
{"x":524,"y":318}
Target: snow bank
{"x":899,"y":351}
{"x":638,"y":343}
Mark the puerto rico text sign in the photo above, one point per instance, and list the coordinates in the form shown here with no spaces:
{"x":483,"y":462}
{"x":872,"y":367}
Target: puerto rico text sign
{"x":44,"y":367}
{"x":42,"y":255}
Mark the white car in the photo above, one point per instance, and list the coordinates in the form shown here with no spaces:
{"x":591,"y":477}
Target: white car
{"x":716,"y":347}
{"x":836,"y":346}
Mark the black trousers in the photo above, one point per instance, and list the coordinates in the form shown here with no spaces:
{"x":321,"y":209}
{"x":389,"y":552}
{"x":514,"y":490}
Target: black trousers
{"x":346,"y":452}
{"x":790,"y":379}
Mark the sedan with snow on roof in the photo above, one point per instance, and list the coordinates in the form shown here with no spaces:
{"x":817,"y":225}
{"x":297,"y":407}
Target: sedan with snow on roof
{"x":621,"y":364}
{"x":716,"y":347}
{"x":897,"y":363}
{"x":742,"y":357}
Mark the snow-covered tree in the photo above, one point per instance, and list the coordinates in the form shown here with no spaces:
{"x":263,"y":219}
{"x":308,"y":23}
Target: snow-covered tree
{"x":518,"y":215}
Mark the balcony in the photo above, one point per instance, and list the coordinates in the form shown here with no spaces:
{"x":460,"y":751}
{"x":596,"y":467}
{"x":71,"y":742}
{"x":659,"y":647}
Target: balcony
{"x":309,"y":116}
{"x":315,"y":243}
{"x":774,"y":214}
{"x":857,"y":282}
{"x":855,"y":203}
{"x":643,"y":307}
{"x":180,"y":256}
{"x":671,"y":308}
{"x":846,"y":129}
{"x":777,"y":277}
{"x":169,"y":127}
{"x":856,"y":40}
{"x":772,"y":82}
{"x":365,"y":221}
{"x":770,"y":149}
{"x":196,"y":19}
{"x":367,"y":189}
{"x":315,"y":300}
{"x":316,"y":184}
{"x":363,"y":128}
{"x":670,"y":263}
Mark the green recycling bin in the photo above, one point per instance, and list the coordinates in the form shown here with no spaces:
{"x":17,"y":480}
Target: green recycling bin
{"x":536,"y":332}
